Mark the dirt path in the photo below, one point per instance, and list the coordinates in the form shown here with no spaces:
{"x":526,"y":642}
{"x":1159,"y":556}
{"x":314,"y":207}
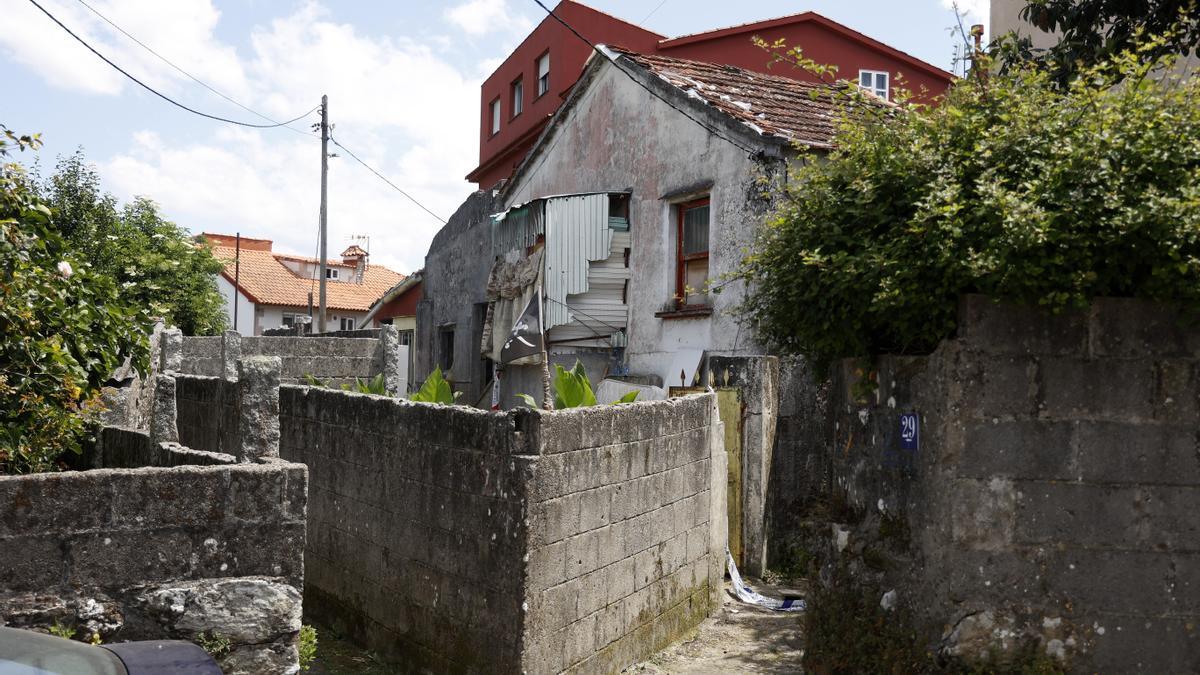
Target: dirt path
{"x":740,"y":638}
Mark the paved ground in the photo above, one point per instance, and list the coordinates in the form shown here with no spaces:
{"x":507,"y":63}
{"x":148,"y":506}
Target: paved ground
{"x":740,"y":639}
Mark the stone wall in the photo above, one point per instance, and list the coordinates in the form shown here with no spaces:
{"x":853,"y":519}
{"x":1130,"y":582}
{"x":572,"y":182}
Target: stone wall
{"x":207,"y":413}
{"x":1053,"y":492}
{"x":335,"y":360}
{"x":453,"y":539}
{"x":158,"y":553}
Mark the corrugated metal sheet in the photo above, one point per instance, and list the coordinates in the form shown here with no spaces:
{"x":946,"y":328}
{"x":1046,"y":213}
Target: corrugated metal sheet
{"x":518,"y":228}
{"x":602,"y":310}
{"x":577,"y":233}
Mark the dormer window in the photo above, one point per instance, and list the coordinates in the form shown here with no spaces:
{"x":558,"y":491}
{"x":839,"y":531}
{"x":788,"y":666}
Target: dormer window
{"x":874,"y":81}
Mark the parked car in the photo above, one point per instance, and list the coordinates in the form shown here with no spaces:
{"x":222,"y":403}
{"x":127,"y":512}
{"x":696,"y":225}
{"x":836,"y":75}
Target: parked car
{"x":24,"y":652}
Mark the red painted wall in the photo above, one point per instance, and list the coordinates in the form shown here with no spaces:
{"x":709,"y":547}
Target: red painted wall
{"x":822,"y":40}
{"x":567,"y":56}
{"x":404,"y":305}
{"x":819,"y":43}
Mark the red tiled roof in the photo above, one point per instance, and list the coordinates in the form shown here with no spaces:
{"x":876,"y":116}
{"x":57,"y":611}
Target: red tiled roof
{"x":771,"y":105}
{"x":267,"y":281}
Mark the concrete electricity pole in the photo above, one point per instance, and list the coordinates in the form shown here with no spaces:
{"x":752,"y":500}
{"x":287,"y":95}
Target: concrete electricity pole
{"x":324,"y":208}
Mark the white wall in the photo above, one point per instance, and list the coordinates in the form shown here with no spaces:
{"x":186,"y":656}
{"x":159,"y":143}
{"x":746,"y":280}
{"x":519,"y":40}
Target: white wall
{"x":245,"y":310}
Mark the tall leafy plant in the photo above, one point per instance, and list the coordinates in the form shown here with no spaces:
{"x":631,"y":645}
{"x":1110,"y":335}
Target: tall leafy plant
{"x":436,"y":389}
{"x":64,"y":328}
{"x":572,"y":389}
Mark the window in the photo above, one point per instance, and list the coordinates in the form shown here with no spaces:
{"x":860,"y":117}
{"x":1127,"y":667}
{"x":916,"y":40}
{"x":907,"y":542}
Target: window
{"x":518,"y":97}
{"x":691,"y":272}
{"x":874,"y":81}
{"x":347,"y":323}
{"x":331,"y":273}
{"x":495,"y":117}
{"x":543,"y":72}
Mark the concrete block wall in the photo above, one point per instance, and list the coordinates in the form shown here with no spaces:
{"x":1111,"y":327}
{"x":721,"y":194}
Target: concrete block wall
{"x":202,"y":355}
{"x":1054,"y":494}
{"x":416,"y":526}
{"x":457,"y":540}
{"x":623,"y":556}
{"x":160,"y":553}
{"x":207,"y":413}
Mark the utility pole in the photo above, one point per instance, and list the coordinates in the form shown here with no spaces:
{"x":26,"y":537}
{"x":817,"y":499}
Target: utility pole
{"x":324,"y":209}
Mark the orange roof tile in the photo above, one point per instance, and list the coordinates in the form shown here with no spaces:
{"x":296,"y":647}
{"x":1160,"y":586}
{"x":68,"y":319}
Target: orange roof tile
{"x":267,"y":281}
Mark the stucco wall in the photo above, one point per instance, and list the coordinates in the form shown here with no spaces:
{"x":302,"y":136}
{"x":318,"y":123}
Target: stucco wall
{"x":245,"y":318}
{"x":616,"y":137}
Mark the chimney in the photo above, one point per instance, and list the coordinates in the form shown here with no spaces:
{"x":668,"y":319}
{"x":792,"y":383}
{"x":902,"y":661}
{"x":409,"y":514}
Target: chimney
{"x":356,"y":256}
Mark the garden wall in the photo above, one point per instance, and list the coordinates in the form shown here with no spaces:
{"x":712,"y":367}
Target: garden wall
{"x":453,"y":539}
{"x":335,"y":360}
{"x":1052,"y":491}
{"x":189,"y":552}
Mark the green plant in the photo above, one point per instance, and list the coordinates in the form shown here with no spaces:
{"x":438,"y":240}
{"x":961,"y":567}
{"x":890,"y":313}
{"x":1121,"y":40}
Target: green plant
{"x":436,"y":389}
{"x":62,"y":630}
{"x":312,"y":381}
{"x":216,"y":645}
{"x":1013,"y":187}
{"x":572,"y":389}
{"x":64,"y":327}
{"x":375,"y":385}
{"x":308,"y":646}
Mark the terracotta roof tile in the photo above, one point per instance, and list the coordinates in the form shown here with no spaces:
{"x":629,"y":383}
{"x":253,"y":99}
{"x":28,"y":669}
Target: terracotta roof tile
{"x":267,"y":281}
{"x":771,"y":105}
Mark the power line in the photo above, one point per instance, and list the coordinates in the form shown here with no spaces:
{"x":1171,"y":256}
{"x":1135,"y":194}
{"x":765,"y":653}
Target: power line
{"x":384,"y":179}
{"x":656,"y":8}
{"x":643,"y":85}
{"x":185,"y":73}
{"x":164,"y":97}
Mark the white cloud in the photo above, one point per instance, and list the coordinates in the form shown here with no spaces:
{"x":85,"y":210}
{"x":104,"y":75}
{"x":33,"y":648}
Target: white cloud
{"x":393,"y":102}
{"x":480,"y":17}
{"x":974,"y":11}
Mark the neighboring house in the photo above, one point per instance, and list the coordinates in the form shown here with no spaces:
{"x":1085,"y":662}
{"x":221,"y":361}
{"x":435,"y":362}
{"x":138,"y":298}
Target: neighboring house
{"x":627,"y":208}
{"x":398,"y":307}
{"x":517,"y":100}
{"x":275,"y":290}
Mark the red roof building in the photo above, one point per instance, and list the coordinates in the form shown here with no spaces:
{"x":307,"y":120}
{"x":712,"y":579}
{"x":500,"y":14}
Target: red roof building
{"x":517,"y":100}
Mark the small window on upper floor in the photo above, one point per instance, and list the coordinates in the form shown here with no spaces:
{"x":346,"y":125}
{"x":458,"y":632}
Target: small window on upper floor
{"x":543,"y":74}
{"x":518,"y":96}
{"x":331,"y":273}
{"x":347,"y":323}
{"x":495,"y":108}
{"x":691,"y":258}
{"x":874,"y":81}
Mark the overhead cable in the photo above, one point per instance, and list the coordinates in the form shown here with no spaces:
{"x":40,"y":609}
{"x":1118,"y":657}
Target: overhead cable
{"x":707,"y":127}
{"x":384,"y":179}
{"x":185,"y":73}
{"x":164,"y":97}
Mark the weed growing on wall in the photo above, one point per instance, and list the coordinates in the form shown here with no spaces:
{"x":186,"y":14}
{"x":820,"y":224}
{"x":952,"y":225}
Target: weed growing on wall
{"x":1014,"y":187}
{"x":308,"y":646}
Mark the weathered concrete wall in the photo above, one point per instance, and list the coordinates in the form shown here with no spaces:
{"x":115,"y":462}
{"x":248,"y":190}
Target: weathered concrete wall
{"x":156,"y":553}
{"x":335,"y":360}
{"x":1054,"y":492}
{"x":452,"y":539}
{"x":616,"y":136}
{"x":626,"y":540}
{"x":207,"y":413}
{"x":455,"y":285}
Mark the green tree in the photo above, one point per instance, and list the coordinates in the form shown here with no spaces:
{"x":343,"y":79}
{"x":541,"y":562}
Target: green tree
{"x":154,"y":261}
{"x":1093,"y":32}
{"x":1013,"y":187}
{"x":63,"y":328}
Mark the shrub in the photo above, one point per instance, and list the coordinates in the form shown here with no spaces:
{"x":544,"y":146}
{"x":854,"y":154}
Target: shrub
{"x":1013,"y":187}
{"x":63,"y":330}
{"x":308,"y":646}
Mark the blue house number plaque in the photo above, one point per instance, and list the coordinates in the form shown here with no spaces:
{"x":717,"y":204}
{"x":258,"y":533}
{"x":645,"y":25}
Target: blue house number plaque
{"x":910,"y":431}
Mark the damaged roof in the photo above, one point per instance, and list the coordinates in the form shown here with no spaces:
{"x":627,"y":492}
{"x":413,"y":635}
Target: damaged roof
{"x":770,"y":105}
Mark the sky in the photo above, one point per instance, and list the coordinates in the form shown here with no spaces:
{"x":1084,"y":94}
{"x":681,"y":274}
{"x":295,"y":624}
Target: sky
{"x":403,"y":83}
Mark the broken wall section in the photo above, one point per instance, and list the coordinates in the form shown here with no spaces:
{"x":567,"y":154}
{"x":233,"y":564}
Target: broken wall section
{"x":1051,"y":490}
{"x":145,"y":553}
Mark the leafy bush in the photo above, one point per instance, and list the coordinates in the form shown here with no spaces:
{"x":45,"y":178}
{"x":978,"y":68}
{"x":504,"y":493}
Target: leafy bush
{"x":63,"y":330}
{"x":572,"y":389}
{"x":308,"y":646}
{"x":1013,"y":187}
{"x":436,"y":390}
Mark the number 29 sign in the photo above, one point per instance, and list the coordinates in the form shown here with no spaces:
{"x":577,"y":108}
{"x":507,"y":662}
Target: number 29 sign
{"x":910,"y":431}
